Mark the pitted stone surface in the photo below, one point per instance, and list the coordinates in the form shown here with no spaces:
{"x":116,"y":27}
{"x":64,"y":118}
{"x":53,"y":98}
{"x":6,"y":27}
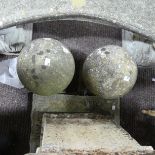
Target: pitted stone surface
{"x":45,"y":67}
{"x":137,"y":16}
{"x":109,"y":72}
{"x":85,"y":134}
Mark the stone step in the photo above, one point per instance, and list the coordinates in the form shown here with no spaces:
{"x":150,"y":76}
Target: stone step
{"x":62,"y":103}
{"x":85,"y":134}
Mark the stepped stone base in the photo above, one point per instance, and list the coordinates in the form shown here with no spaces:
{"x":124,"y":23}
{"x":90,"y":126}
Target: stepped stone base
{"x":83,"y":134}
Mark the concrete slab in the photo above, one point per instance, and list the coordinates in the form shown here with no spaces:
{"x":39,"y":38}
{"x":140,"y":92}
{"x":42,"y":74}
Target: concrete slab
{"x":86,"y":134}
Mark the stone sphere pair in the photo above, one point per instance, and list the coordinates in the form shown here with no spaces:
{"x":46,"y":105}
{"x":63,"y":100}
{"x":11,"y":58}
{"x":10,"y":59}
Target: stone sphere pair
{"x":46,"y":67}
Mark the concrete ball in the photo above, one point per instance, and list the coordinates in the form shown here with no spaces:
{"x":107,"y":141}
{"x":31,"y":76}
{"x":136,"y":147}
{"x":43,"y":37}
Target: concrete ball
{"x":45,"y":67}
{"x":109,"y":72}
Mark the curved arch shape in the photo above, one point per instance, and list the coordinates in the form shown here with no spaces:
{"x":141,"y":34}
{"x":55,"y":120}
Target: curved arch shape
{"x":137,"y":16}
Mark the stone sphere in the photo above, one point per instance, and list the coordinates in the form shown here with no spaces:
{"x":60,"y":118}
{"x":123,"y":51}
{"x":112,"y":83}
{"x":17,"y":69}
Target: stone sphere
{"x":109,"y":72}
{"x":45,"y":67}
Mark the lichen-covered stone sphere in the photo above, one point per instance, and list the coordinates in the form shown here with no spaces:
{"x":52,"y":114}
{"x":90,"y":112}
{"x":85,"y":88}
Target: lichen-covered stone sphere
{"x":109,"y":72}
{"x":45,"y":67}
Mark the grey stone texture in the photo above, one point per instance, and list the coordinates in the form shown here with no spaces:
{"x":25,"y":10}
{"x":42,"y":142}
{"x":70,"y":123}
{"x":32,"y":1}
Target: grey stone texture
{"x":83,"y":134}
{"x":62,"y":103}
{"x":137,"y":16}
{"x":45,"y":67}
{"x":109,"y":72}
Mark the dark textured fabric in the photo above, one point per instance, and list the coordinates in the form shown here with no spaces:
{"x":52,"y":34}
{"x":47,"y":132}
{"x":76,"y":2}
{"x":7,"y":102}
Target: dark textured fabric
{"x":142,"y":97}
{"x":15,"y":123}
{"x":14,"y":120}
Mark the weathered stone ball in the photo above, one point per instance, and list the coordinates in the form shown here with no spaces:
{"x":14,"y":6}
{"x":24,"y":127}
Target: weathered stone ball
{"x":45,"y":67}
{"x":109,"y":72}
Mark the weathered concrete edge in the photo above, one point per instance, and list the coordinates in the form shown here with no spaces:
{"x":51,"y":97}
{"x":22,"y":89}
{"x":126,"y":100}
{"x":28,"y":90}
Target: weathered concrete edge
{"x":46,"y":117}
{"x":73,"y":103}
{"x":127,"y":16}
{"x":58,"y":103}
